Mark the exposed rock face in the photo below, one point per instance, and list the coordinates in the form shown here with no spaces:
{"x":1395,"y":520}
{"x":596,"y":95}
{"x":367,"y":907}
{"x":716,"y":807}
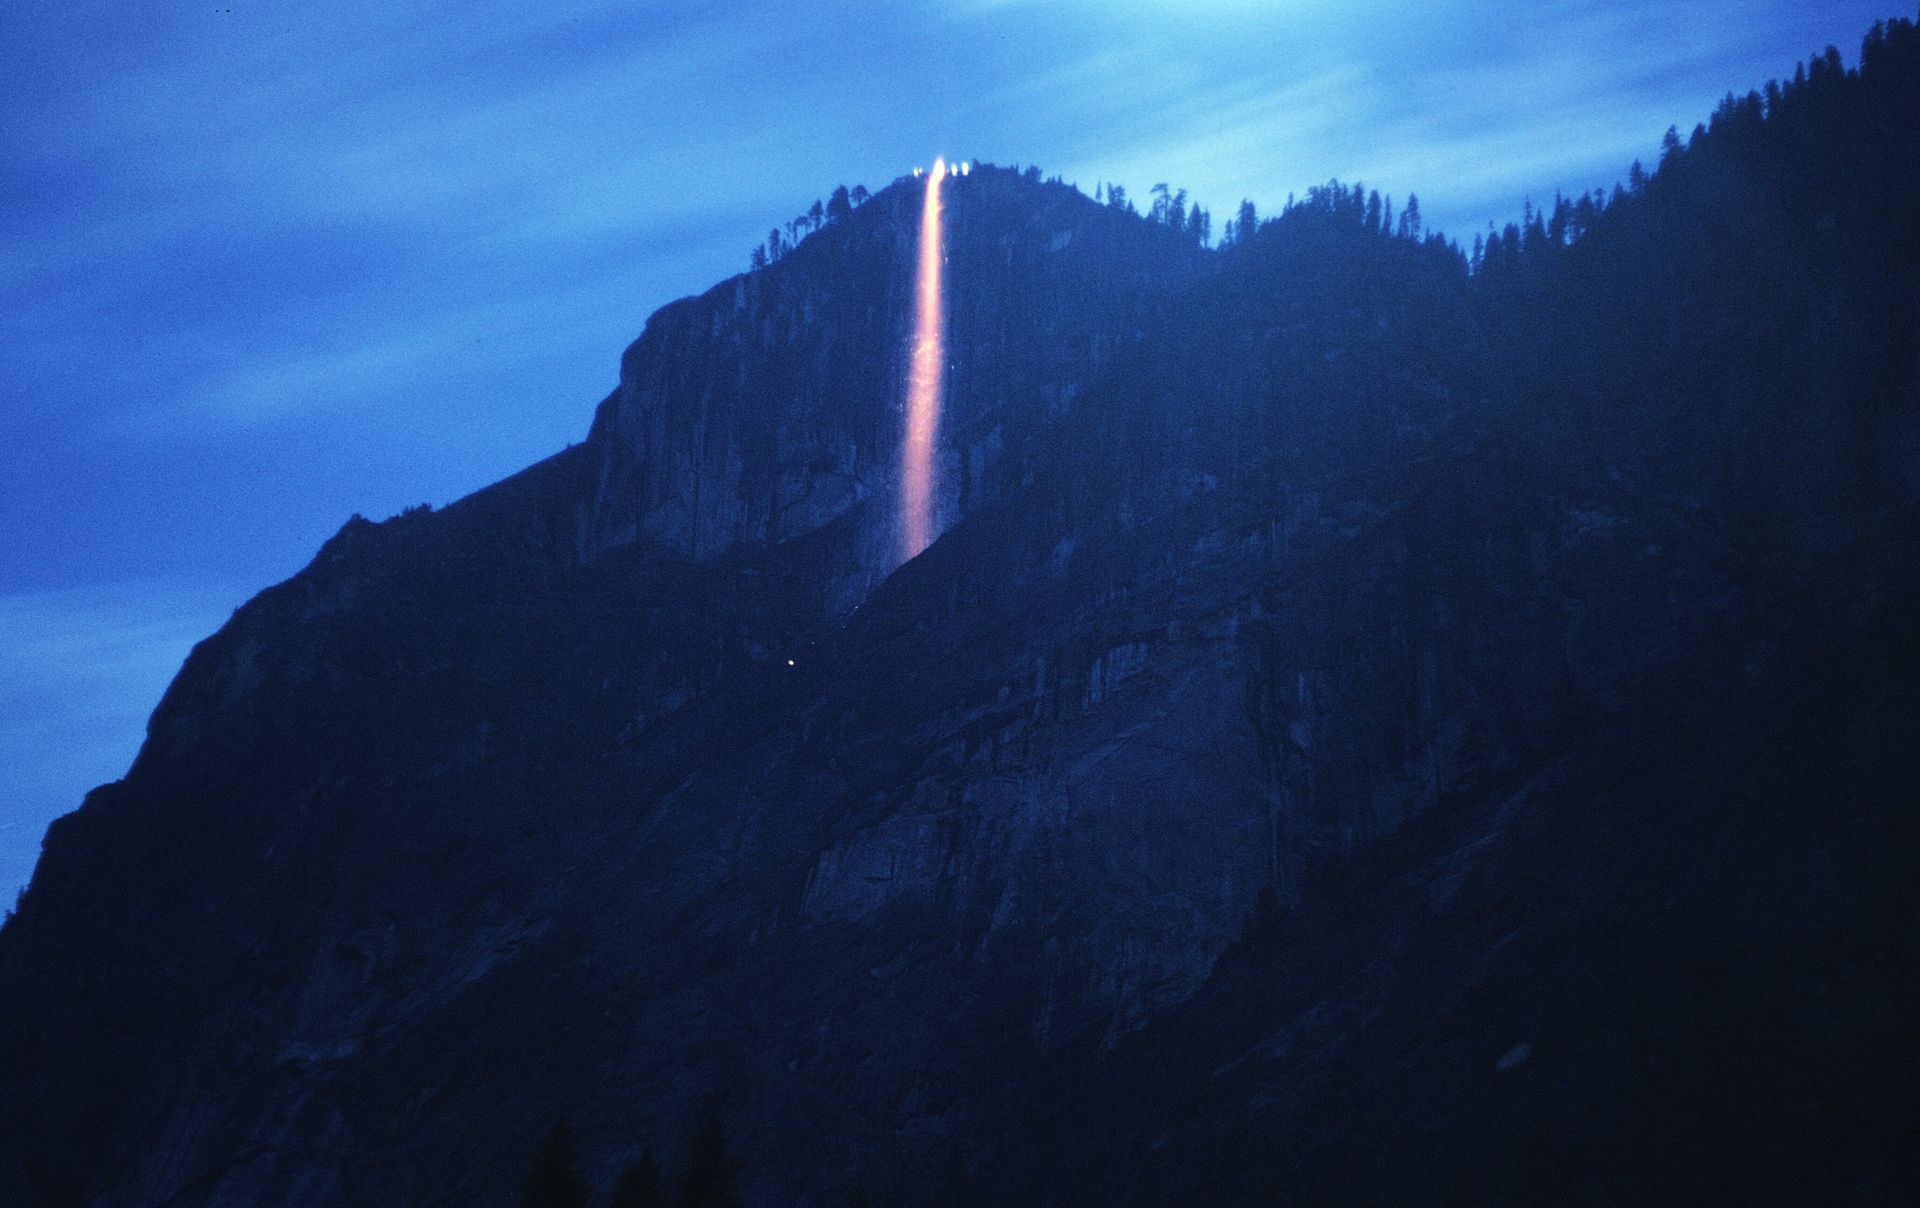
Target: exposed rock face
{"x":772,"y":405}
{"x":1291,"y":604}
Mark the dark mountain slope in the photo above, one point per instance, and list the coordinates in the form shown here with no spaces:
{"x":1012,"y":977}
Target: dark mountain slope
{"x":1673,"y":966}
{"x":399,"y":796}
{"x":1472,"y":659}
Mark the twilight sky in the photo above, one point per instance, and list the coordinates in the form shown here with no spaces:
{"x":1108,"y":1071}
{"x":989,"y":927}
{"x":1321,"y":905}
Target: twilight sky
{"x":268,"y":264}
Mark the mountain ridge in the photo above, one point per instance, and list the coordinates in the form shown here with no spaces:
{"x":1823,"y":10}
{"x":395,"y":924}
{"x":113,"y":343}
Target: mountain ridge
{"x":1258,"y":566}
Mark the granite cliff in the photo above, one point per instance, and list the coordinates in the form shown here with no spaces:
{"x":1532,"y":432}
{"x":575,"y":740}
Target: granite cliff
{"x":1375,"y":719}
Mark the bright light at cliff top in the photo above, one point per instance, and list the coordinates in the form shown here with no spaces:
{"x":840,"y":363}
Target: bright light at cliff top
{"x":924,"y":377}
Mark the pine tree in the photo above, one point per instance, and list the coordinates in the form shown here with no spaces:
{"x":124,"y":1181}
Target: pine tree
{"x":640,"y":1185}
{"x":555,"y":1181}
{"x":1410,"y":218}
{"x":709,"y":1179}
{"x":1669,"y":147}
{"x":1560,"y":222}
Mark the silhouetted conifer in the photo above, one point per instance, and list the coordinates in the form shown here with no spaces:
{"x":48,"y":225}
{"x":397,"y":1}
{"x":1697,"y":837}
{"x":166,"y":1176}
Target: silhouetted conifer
{"x":555,"y":1181}
{"x":640,"y":1185}
{"x":710,"y":1175}
{"x":1669,"y":146}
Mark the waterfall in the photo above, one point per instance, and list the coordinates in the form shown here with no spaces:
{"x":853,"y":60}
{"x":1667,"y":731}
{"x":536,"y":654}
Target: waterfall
{"x":926,"y":375}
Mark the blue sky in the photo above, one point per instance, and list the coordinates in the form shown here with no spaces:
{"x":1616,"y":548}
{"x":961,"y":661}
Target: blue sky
{"x":265,"y":265}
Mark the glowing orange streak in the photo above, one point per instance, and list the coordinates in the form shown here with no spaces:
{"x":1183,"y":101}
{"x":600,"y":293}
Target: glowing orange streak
{"x":924,"y":378}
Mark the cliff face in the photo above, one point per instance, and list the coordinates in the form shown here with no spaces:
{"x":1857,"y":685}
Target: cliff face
{"x":560,"y":717}
{"x":772,"y":405}
{"x":1293,"y":604}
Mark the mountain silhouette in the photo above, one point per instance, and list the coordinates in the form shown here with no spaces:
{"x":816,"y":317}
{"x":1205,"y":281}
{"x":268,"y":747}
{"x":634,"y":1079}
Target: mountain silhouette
{"x":1383,"y":720}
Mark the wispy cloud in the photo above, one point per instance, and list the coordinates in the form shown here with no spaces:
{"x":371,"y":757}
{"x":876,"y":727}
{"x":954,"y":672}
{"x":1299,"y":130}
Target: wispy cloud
{"x":1474,"y":107}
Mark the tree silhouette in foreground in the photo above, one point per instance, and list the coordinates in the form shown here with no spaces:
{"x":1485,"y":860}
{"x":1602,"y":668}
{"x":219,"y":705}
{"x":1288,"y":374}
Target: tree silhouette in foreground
{"x":710,"y":1177}
{"x":640,"y":1185}
{"x":555,"y":1180}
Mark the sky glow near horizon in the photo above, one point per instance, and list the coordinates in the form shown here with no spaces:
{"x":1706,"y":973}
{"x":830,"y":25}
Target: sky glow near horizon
{"x":265,"y":266}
